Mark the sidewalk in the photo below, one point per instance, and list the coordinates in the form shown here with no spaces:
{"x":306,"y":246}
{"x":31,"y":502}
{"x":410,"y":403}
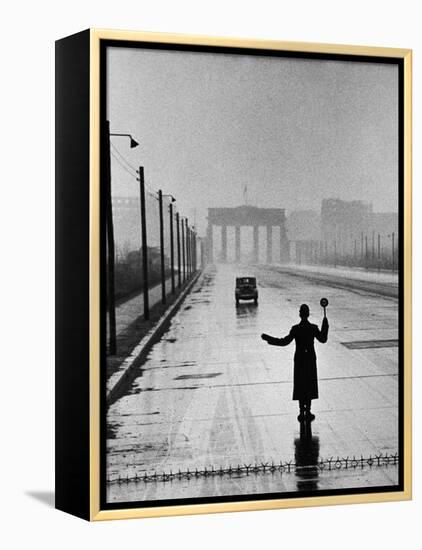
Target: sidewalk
{"x":136,"y":337}
{"x":132,"y":328}
{"x":358,"y":273}
{"x":128,"y":311}
{"x":382,"y":283}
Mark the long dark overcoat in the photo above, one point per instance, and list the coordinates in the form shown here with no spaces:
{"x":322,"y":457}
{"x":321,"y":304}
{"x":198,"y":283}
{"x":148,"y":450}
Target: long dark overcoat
{"x":305,"y":379}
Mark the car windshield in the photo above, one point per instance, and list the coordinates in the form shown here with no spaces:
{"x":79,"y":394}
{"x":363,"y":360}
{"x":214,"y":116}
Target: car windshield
{"x":245,"y":281}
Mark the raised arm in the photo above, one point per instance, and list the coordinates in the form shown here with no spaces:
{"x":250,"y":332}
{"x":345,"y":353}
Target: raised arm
{"x":322,"y":335}
{"x":278,"y":341}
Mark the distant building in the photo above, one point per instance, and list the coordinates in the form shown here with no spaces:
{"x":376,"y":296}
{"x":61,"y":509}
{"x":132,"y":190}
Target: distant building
{"x":343,"y":220}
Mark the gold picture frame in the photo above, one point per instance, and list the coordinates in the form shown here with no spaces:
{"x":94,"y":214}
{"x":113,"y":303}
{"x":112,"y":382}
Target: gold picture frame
{"x":90,"y":492}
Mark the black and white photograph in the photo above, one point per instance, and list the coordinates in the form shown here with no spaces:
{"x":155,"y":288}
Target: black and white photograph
{"x":251,"y":274}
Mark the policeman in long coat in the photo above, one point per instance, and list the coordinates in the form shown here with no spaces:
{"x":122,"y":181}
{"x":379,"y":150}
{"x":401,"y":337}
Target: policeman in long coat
{"x":305,"y":386}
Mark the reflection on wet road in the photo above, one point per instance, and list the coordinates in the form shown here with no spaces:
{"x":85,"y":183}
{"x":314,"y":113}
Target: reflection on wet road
{"x":211,"y":393}
{"x":307,"y":458}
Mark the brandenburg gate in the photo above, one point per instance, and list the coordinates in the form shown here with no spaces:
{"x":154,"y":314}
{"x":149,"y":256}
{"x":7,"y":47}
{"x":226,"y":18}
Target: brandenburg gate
{"x":251,"y":216}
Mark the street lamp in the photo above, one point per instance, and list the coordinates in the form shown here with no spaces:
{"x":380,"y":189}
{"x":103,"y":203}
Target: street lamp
{"x":173,"y":286}
{"x":133,"y":142}
{"x":110,"y":231}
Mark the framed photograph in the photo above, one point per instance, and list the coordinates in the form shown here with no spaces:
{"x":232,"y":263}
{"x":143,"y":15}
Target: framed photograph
{"x":233,"y":274}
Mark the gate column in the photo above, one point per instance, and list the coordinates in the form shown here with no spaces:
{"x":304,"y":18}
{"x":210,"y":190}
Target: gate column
{"x":255,"y":243}
{"x":237,"y":242}
{"x":269,"y":244}
{"x":224,"y":243}
{"x":210,"y":244}
{"x":284,"y":245}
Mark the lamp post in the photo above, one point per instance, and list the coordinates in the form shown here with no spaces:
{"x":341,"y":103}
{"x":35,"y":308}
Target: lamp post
{"x":187,"y":257}
{"x":173,"y":287}
{"x":172,"y":200}
{"x":144,"y":243}
{"x":106,"y":177}
{"x":163,"y":268}
{"x":179,"y":263}
{"x":133,"y":142}
{"x":183,"y":251}
{"x":162,"y":257}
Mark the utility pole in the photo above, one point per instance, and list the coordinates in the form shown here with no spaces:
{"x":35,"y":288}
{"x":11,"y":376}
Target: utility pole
{"x":144,"y":244}
{"x":195,"y":251}
{"x":173,"y":287}
{"x":111,"y":303}
{"x":179,"y":265}
{"x":163,"y":267}
{"x":379,"y":252}
{"x":187,"y":249}
{"x":183,"y":252}
{"x":373,"y":246}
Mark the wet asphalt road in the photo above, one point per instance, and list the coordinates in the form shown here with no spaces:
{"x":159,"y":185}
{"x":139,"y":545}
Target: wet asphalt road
{"x":212,"y":393}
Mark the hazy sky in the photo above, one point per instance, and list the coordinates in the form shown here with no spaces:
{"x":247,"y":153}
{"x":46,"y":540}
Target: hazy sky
{"x":294,"y":131}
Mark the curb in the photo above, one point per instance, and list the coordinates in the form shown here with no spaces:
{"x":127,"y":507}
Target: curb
{"x":139,"y":353}
{"x":371,"y":287}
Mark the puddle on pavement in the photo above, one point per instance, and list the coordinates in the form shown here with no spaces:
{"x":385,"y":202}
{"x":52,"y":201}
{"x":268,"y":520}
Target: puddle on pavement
{"x":137,"y":391}
{"x":181,"y":365}
{"x":368,"y":344}
{"x":112,"y":429}
{"x":198,"y":376}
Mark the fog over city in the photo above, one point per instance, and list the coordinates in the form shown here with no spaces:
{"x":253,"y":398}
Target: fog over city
{"x":271,"y":132}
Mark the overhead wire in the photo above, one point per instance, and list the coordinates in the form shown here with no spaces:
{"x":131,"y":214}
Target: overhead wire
{"x":124,"y":159}
{"x":150,"y":191}
{"x":123,"y":166}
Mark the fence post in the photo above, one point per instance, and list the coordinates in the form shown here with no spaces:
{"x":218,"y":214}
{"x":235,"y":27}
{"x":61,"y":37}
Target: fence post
{"x":144,"y":244}
{"x":392,"y":244}
{"x":373,"y":247}
{"x":366,"y":252}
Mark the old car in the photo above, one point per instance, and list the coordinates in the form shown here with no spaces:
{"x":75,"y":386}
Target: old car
{"x":246,"y":289}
